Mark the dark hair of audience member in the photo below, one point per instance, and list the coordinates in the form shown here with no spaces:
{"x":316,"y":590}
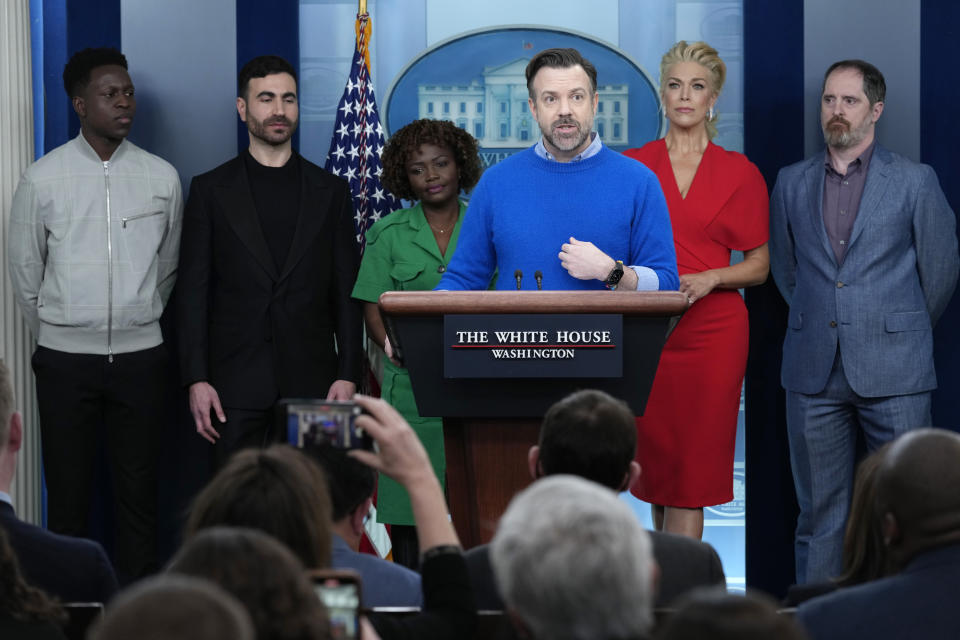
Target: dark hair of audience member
{"x":76,"y":73}
{"x":715,"y":614}
{"x":19,"y":600}
{"x":405,"y":142}
{"x":169,"y":607}
{"x":589,"y":434}
{"x":350,"y":481}
{"x":277,"y":490}
{"x":263,"y":575}
{"x":864,"y":554}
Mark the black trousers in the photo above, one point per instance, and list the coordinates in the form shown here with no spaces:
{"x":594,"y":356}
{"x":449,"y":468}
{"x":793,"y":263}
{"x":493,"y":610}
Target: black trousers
{"x":243,"y":429}
{"x":83,"y":398}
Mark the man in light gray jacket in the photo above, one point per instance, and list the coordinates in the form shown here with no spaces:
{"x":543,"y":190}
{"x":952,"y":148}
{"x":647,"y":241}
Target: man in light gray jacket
{"x":95,"y":232}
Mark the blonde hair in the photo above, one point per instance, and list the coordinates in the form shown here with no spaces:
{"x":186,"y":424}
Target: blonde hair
{"x":704,"y":55}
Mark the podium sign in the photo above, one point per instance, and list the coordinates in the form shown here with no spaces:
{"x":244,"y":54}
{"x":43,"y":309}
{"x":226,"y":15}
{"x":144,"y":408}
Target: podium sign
{"x":533,"y":346}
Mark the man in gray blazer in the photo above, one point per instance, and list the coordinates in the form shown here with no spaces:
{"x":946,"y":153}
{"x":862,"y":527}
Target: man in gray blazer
{"x":864,"y":250}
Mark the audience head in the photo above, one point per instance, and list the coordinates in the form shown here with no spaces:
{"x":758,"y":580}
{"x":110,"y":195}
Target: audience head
{"x":572,"y":562}
{"x":446,"y":136}
{"x":350,"y":482}
{"x":718,"y":615}
{"x":588,"y":434}
{"x":918,"y":493}
{"x":263,"y":575}
{"x":172,"y":607}
{"x":19,"y":600}
{"x":864,"y":556}
{"x":278,"y":490}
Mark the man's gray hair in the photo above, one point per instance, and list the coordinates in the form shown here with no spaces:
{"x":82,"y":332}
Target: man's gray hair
{"x":573,"y":562}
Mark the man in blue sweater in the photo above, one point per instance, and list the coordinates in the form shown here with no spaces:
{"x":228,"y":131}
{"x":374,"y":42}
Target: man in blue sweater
{"x":568,"y":207}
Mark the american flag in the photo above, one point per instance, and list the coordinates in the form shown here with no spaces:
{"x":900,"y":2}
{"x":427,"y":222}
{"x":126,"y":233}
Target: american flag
{"x":355,"y":156}
{"x":358,"y":140}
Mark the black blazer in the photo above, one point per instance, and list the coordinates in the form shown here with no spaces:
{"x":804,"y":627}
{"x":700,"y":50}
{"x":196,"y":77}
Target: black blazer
{"x":73,"y":569}
{"x":255,"y":333}
{"x":684,"y":564}
{"x":918,"y":602}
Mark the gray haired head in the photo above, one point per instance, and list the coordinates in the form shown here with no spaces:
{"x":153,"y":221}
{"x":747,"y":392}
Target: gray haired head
{"x":573,"y":562}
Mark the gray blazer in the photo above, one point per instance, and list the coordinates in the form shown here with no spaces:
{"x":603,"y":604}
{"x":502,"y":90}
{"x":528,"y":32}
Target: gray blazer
{"x":880,"y":305}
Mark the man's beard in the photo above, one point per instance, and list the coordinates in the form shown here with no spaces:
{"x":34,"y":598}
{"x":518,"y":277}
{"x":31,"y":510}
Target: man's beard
{"x":260,"y":129}
{"x":844,"y":137}
{"x":566,"y":143}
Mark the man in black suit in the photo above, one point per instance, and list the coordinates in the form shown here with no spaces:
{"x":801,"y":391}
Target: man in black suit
{"x":918,"y":497}
{"x":267,"y":264}
{"x":73,"y":569}
{"x":593,"y":435}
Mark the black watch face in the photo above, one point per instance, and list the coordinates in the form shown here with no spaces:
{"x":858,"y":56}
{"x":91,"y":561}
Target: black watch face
{"x":615,"y":275}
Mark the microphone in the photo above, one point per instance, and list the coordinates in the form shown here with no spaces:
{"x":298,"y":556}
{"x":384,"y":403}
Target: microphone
{"x":539,"y":276}
{"x":519,"y":276}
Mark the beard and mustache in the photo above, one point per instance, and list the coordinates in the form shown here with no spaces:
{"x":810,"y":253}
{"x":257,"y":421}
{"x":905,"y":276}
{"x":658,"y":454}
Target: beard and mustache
{"x":567,"y":141}
{"x":262,"y":129}
{"x":839,"y":133}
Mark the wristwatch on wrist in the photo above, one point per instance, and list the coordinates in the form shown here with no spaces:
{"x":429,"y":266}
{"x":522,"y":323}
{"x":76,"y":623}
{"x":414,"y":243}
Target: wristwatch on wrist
{"x":614,"y":278}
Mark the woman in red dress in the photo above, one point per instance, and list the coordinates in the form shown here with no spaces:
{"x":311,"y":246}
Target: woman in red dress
{"x":718,"y":203}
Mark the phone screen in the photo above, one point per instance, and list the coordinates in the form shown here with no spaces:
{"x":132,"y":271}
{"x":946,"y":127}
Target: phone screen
{"x":319,"y":422}
{"x":342,"y":599}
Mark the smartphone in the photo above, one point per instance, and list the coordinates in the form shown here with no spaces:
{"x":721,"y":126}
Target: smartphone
{"x":339,"y":590}
{"x":313,"y":422}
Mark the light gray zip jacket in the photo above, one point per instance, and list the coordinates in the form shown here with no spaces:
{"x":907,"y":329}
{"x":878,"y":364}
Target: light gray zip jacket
{"x":93,"y":247}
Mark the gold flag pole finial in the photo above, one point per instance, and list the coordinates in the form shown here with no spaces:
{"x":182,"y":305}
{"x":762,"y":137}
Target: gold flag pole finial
{"x":363,"y":6}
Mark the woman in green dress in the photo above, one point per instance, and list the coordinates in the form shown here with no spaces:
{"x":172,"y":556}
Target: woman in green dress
{"x":430,"y":161}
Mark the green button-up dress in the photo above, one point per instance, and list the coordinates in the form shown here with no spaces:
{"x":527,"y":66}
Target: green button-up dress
{"x":402,"y":255}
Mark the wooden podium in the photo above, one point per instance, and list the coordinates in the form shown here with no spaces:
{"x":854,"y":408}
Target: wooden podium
{"x":490,"y":423}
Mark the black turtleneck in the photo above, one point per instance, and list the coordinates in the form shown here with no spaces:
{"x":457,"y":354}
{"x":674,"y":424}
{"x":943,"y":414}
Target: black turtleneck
{"x":276,"y":197}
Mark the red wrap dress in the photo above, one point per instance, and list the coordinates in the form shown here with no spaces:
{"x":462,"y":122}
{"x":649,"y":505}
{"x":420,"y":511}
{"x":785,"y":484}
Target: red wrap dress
{"x":686,"y":436}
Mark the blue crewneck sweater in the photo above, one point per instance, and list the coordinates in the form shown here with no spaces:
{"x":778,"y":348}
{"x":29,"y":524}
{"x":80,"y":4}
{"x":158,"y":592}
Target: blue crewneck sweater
{"x":526,"y":207}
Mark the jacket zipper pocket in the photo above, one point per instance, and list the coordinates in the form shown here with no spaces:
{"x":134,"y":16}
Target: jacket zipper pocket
{"x":124,"y":221}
